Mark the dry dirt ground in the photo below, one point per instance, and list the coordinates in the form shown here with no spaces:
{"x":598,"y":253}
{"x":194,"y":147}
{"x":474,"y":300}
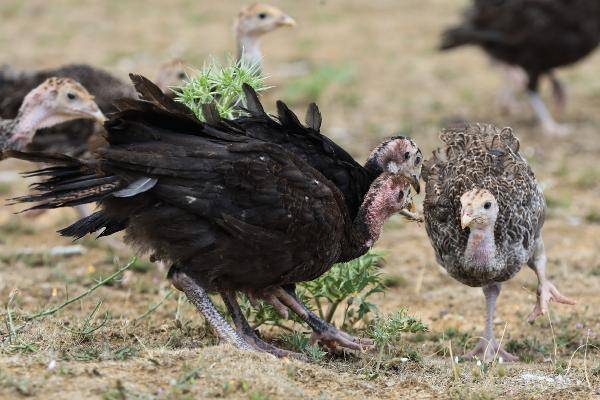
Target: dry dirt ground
{"x":373,"y":68}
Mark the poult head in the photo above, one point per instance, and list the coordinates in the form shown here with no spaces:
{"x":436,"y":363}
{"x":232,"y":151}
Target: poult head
{"x":398,"y":155}
{"x":479,"y":209}
{"x":258,"y":19}
{"x":59,"y":100}
{"x":171,"y":74}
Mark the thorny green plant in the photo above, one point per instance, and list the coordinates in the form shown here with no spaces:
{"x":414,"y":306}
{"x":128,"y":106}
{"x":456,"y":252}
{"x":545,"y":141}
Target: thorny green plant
{"x":301,"y":343}
{"x":220,"y":84}
{"x":350,"y":285}
{"x":346,"y":286}
{"x":386,"y":332}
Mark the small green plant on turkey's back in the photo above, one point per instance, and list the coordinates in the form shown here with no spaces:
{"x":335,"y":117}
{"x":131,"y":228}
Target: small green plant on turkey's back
{"x":220,"y":84}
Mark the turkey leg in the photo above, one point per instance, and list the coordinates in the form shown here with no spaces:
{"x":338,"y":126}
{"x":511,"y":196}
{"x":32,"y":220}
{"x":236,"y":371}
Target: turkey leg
{"x":322,"y":330}
{"x":245,"y":330}
{"x":199,"y":298}
{"x":546,"y":291}
{"x":487,"y":346}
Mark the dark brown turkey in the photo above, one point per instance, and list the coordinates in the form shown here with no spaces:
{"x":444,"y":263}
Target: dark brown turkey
{"x":536,"y":35}
{"x":72,"y":137}
{"x":230,"y":211}
{"x":484,"y":212}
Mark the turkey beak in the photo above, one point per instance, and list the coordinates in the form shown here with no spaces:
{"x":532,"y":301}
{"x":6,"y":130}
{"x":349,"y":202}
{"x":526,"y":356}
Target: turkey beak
{"x":286,"y":20}
{"x":466,"y":220}
{"x":99,"y":116}
{"x":414,"y":182}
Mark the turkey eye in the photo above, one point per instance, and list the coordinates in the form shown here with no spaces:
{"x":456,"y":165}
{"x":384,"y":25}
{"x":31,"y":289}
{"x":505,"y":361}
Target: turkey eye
{"x":262,"y":15}
{"x":181,"y":75}
{"x":487,"y":205}
{"x":407,"y":155}
{"x":71,"y":96}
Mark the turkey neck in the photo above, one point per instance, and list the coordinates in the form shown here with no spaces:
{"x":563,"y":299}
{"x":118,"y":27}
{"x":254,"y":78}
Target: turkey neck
{"x":481,"y":246}
{"x":26,"y":123}
{"x":248,"y":48}
{"x":367,"y":226}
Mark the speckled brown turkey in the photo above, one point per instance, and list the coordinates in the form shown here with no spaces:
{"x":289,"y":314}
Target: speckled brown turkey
{"x":536,"y":35}
{"x":484,"y":212}
{"x":231,"y":212}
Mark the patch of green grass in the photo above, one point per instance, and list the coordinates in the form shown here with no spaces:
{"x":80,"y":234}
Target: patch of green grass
{"x":528,"y":349}
{"x":310,"y":88}
{"x":125,"y":353}
{"x":16,"y":227}
{"x":21,"y":385}
{"x":296,"y":340}
{"x":555,"y":202}
{"x":143,"y":266}
{"x":593,"y":216}
{"x":258,"y":395}
{"x":387,"y":331}
{"x":595,"y":271}
{"x":300,"y":343}
{"x":588,"y":179}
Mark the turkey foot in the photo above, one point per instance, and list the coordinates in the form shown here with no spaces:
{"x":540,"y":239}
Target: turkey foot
{"x":245,"y":330}
{"x":488,"y":349}
{"x":322,"y":330}
{"x":332,"y":337}
{"x":547,"y":292}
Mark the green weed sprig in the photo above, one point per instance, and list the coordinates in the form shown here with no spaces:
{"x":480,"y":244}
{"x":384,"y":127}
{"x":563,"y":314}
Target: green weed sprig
{"x":220,"y":84}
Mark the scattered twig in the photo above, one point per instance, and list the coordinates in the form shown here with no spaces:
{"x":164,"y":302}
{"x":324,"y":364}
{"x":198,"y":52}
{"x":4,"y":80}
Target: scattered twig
{"x":87,"y":328}
{"x":155,"y":306}
{"x":9,"y":321}
{"x":455,"y":373}
{"x":82,"y":295}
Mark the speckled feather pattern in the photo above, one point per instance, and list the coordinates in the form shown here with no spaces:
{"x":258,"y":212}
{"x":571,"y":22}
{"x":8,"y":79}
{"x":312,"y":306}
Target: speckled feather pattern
{"x":482,"y":156}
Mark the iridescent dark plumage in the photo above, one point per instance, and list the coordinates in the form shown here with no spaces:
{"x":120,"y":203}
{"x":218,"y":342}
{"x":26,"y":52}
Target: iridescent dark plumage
{"x":306,"y":142}
{"x":230,"y":211}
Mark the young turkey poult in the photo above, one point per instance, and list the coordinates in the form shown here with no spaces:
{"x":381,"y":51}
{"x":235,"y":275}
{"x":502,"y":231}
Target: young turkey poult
{"x":55,"y":101}
{"x":484,"y":212}
{"x":232,"y":212}
{"x":253,"y":22}
{"x":535,"y":35}
{"x":74,"y":137}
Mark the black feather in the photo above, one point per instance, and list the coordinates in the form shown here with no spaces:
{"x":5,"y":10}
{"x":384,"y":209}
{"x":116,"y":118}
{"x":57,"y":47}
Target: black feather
{"x":313,"y":117}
